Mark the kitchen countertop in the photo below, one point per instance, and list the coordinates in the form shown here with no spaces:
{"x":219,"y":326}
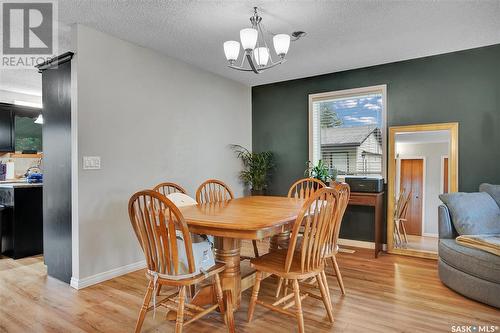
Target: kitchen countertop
{"x":16,"y":184}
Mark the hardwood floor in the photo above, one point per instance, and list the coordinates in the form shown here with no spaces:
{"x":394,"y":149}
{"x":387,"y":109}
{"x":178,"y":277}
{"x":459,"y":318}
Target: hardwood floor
{"x":388,"y":294}
{"x":422,"y":243}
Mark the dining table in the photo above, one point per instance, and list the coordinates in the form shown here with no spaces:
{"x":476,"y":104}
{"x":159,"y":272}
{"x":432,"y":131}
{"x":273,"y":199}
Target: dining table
{"x":230,"y":222}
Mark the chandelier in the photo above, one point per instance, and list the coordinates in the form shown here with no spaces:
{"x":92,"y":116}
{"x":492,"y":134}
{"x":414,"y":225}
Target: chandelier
{"x":254,"y":44}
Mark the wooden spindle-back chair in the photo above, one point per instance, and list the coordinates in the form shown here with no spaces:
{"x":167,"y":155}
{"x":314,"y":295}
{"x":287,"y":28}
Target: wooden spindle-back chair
{"x":213,"y":190}
{"x":158,"y":225}
{"x":318,"y":216}
{"x":167,"y":188}
{"x":301,"y":189}
{"x":400,"y":218}
{"x":304,"y":188}
{"x":344,"y":192}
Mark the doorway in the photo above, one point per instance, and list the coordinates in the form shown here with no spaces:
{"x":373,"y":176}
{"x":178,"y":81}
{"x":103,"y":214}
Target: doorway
{"x":412,"y":182}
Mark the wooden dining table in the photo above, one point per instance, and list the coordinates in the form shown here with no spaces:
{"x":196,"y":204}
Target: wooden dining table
{"x":254,"y":217}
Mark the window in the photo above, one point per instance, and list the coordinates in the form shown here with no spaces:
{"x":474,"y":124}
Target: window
{"x":347,"y":130}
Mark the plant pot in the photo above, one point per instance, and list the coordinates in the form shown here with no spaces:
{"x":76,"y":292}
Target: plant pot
{"x":257,"y":192}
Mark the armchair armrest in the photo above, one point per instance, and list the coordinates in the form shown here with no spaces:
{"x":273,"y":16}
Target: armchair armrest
{"x":446,"y":228}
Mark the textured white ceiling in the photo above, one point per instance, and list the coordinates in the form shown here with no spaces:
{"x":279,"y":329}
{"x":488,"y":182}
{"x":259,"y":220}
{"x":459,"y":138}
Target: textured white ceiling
{"x":342,"y":34}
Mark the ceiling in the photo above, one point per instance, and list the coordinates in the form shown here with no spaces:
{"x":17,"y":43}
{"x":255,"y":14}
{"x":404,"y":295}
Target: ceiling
{"x":342,"y":34}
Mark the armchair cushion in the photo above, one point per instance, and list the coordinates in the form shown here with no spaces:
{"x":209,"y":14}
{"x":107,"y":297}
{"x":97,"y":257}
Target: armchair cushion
{"x":493,"y":190}
{"x":473,"y":213}
{"x":481,"y":264}
{"x":445,"y":227}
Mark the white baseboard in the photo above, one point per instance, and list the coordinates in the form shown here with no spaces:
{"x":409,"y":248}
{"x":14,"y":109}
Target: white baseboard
{"x":426,"y":234}
{"x":360,"y":244}
{"x":100,"y":277}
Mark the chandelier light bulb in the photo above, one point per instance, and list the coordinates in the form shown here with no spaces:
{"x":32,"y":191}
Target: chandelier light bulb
{"x":281,"y":44}
{"x":231,"y":50}
{"x":248,"y":38}
{"x":261,"y":56}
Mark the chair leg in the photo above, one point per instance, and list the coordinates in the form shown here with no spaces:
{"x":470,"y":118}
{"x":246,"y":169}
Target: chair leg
{"x":255,"y":293}
{"x":278,"y":290}
{"x":228,"y":297}
{"x":180,"y":310}
{"x":286,"y":287}
{"x":255,"y":248}
{"x":325,"y":283}
{"x":325,"y":297}
{"x":145,"y":305}
{"x":298,"y":306}
{"x":218,"y":291}
{"x":158,"y":290}
{"x":398,"y":234}
{"x":404,"y":232}
{"x":338,"y":275}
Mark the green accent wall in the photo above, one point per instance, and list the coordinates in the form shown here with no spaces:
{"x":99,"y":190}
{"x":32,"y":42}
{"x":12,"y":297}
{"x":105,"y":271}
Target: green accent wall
{"x":461,"y":87}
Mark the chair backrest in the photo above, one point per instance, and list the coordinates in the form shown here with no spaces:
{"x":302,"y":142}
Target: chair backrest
{"x":304,"y":188}
{"x":167,"y":188}
{"x":213,"y":190}
{"x":317,"y":217}
{"x":156,"y":222}
{"x":404,"y":208}
{"x":344,"y":192}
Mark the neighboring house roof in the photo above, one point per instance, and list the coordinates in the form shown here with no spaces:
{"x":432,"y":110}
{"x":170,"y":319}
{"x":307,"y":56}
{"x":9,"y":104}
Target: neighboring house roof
{"x":347,"y":136}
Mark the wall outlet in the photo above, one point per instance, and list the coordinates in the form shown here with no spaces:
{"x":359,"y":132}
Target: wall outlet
{"x":91,"y":162}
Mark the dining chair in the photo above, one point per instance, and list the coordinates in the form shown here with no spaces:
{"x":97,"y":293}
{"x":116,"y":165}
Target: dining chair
{"x":301,"y":189}
{"x":157,"y":222}
{"x":178,"y":196}
{"x":332,"y":248}
{"x":167,"y":188}
{"x":400,"y":212}
{"x":318,"y":216}
{"x":213,"y":190}
{"x":304,"y":188}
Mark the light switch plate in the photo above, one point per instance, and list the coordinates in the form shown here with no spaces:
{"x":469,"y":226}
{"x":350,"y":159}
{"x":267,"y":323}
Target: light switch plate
{"x":91,"y":162}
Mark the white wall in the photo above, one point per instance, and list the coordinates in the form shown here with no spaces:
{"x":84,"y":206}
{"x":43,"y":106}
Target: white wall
{"x":150,"y":118}
{"x":432,"y":153}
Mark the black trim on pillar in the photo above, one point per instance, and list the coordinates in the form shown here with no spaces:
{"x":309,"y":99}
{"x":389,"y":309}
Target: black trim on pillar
{"x":56,"y":61}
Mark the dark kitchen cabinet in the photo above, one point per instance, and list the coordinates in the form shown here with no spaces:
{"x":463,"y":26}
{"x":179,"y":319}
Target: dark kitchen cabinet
{"x":6,"y":128}
{"x":21,"y":220}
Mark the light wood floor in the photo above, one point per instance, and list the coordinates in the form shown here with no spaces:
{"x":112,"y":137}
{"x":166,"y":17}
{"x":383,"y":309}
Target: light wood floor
{"x":424,"y":243}
{"x":389,"y":294}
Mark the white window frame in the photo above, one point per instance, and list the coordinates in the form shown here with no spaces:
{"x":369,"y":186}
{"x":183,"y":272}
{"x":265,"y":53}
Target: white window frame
{"x":378,"y":89}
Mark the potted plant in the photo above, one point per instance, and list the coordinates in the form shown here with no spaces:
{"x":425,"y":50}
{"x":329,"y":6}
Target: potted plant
{"x":320,"y":171}
{"x":256,"y":168}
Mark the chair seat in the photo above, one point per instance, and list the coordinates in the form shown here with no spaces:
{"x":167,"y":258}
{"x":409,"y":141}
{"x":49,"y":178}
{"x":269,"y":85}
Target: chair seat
{"x":167,"y":279}
{"x":274,"y":262}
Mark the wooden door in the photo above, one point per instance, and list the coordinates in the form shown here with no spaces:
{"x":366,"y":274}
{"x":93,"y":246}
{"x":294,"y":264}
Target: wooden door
{"x":412,"y":177}
{"x":445,"y":175}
